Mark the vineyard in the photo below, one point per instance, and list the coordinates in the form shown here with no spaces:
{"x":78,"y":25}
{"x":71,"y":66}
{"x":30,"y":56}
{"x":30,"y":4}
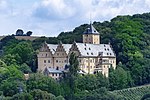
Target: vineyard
{"x":135,"y":93}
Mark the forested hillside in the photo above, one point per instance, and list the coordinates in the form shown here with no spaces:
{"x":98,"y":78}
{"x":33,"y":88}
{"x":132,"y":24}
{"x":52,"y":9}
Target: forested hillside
{"x":129,"y":37}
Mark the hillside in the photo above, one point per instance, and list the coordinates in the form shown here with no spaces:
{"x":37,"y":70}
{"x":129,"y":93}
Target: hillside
{"x":31,"y":38}
{"x":135,"y":93}
{"x":129,"y":37}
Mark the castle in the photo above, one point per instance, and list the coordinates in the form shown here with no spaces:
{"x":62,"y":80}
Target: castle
{"x":93,"y":57}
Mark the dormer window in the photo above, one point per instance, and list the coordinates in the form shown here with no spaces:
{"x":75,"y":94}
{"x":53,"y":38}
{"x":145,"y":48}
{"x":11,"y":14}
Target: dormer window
{"x":89,"y":48}
{"x":91,"y":53}
{"x":107,"y":53}
{"x":85,"y":48}
{"x":105,"y":49}
{"x":108,"y":49}
{"x":87,"y":53}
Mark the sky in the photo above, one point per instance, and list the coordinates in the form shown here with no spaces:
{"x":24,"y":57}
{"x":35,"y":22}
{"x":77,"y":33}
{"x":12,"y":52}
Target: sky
{"x":50,"y":17}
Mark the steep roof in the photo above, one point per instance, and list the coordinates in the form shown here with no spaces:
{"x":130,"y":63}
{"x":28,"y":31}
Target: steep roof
{"x":67,"y":47}
{"x":53,"y":47}
{"x":95,"y":49}
{"x":90,"y":30}
{"x":87,"y":49}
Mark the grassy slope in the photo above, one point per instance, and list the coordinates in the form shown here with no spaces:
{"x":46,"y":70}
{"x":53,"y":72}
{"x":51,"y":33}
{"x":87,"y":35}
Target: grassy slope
{"x":135,"y":93}
{"x":31,"y":38}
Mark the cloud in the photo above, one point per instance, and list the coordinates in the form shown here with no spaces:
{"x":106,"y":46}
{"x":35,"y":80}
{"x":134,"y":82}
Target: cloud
{"x":53,"y":10}
{"x":50,"y":17}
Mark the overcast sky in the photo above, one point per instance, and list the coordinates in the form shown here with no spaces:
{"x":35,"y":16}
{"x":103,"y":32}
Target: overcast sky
{"x":50,"y":17}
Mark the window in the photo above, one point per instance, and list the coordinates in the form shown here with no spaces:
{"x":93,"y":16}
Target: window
{"x":87,"y":53}
{"x":108,"y":49}
{"x":59,"y":74}
{"x":107,"y":53}
{"x":91,"y":61}
{"x":104,"y":45}
{"x":52,"y":74}
{"x":48,"y":61}
{"x":56,"y":61}
{"x":91,"y":53}
{"x":110,"y":53}
{"x":85,"y":48}
{"x":65,"y":61}
{"x":56,"y":74}
{"x":46,"y":55}
{"x":57,"y":54}
{"x":57,"y":68}
{"x":105,"y":49}
{"x":89,"y":48}
{"x":44,"y":61}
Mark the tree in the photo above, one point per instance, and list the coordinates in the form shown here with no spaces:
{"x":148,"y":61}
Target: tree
{"x":24,"y":51}
{"x":73,"y":65}
{"x":9,"y":59}
{"x":44,"y":83}
{"x":19,"y":32}
{"x":73,"y":71}
{"x":29,"y":33}
{"x":22,"y":96}
{"x":42,"y":95}
{"x":118,"y":79}
{"x":12,"y":86}
{"x":25,"y":68}
{"x":2,"y":64}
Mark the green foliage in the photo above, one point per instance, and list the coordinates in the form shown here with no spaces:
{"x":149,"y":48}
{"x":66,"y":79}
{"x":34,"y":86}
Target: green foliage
{"x":119,"y":79}
{"x":98,"y":94}
{"x":22,"y":96}
{"x":146,"y":97}
{"x":44,"y":83}
{"x":91,"y":82}
{"x":11,"y":87}
{"x":135,"y":93}
{"x":24,"y":68}
{"x":74,"y":64}
{"x":42,"y":95}
{"x":2,"y":64}
{"x":9,"y":59}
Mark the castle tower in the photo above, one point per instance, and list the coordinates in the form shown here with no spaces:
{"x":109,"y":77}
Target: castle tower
{"x":91,"y":35}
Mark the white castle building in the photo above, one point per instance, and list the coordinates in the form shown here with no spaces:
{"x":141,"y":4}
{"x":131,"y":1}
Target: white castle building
{"x":93,"y":57}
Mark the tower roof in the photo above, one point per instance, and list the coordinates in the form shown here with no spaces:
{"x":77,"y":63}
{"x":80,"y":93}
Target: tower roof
{"x":91,"y":30}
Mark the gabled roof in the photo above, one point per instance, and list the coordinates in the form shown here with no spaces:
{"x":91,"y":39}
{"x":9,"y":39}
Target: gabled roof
{"x":90,"y":30}
{"x":67,"y":47}
{"x":53,"y":47}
